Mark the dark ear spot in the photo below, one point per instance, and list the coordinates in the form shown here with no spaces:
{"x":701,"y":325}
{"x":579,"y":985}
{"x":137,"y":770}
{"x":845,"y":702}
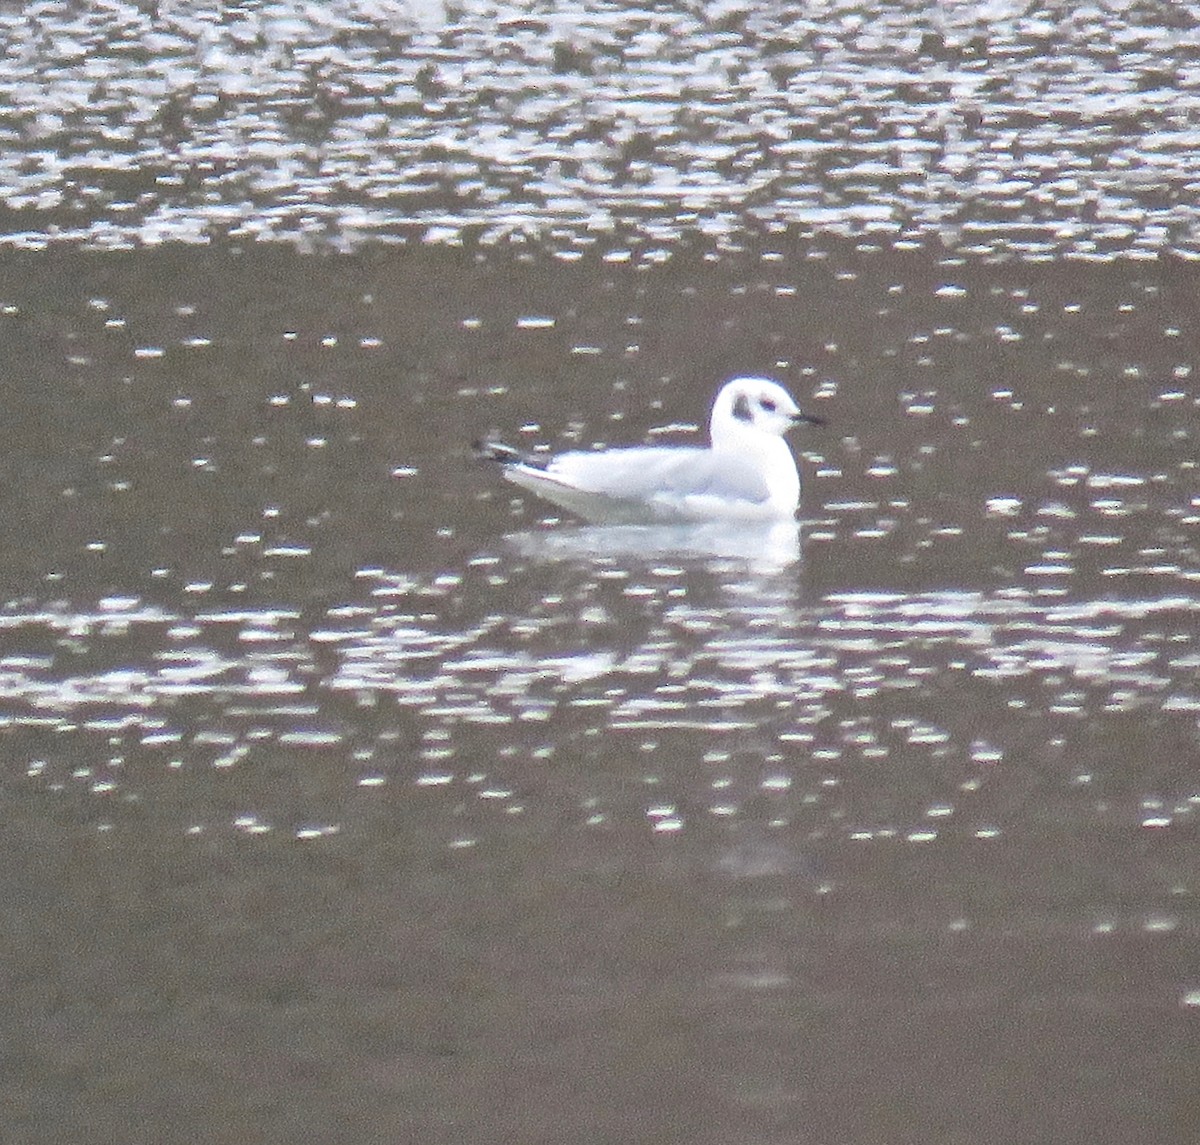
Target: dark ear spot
{"x":741,"y":408}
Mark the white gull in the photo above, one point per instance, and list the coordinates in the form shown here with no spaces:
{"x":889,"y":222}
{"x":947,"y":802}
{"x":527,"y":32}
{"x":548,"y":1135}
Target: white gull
{"x":747,"y":473}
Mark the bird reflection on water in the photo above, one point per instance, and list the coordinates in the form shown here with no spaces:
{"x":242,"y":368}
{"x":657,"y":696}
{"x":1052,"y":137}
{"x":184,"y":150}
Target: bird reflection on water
{"x":759,"y":548}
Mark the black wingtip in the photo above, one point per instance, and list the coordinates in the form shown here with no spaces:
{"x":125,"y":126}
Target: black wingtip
{"x":488,"y":449}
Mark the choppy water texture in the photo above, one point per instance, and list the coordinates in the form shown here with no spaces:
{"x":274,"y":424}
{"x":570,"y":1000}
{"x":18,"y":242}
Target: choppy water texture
{"x":995,"y":129}
{"x":345,"y":788}
{"x":349,"y":795}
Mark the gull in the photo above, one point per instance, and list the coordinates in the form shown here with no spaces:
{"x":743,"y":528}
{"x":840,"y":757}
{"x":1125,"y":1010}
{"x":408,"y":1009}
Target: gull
{"x":746,"y":474}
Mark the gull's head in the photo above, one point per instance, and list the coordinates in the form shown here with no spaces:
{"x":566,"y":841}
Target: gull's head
{"x":750,"y":407}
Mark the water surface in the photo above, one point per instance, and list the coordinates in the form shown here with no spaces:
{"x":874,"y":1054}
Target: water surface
{"x":990,"y":128}
{"x":348,"y":789}
{"x":351,"y":795}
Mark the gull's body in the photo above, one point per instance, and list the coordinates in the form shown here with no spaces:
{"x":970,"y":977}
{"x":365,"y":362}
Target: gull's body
{"x":747,"y":473}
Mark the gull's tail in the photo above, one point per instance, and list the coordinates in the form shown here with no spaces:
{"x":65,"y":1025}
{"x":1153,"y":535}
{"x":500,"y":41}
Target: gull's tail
{"x":488,"y":449}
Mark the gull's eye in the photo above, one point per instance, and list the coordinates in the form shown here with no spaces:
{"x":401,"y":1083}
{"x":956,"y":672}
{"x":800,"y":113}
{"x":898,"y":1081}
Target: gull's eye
{"x":767,"y":404}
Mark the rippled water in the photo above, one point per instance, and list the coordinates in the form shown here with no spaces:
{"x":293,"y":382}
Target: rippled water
{"x":846,"y":709}
{"x":350,"y":795}
{"x":992,"y":129}
{"x":346,"y":788}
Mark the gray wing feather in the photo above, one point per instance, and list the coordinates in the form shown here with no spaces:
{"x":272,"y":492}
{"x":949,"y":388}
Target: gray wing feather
{"x":671,"y":471}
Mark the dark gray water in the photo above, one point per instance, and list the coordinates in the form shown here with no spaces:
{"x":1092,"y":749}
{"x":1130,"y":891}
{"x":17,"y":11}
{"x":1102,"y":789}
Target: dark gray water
{"x":347,"y":789}
{"x":349,"y":795}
